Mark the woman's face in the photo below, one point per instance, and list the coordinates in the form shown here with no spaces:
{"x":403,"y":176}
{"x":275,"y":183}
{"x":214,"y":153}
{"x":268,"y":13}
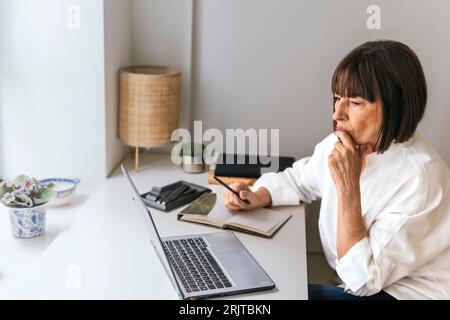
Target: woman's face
{"x":358,"y":117}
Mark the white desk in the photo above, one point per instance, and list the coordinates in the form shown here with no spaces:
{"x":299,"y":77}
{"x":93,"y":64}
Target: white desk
{"x":105,"y":252}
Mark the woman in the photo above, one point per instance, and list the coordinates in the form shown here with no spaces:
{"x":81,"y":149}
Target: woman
{"x":385,"y":214}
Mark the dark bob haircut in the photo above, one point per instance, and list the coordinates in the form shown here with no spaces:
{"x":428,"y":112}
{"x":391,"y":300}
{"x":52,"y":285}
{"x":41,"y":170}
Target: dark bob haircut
{"x":390,"y":72}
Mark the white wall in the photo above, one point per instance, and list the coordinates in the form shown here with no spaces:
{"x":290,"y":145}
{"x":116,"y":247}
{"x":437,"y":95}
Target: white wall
{"x":118,"y":50}
{"x":2,"y":30}
{"x":53,"y":97}
{"x":268,"y":64}
{"x":162,"y":35}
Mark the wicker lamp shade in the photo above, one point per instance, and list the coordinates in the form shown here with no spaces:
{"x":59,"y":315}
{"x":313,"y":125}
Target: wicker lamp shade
{"x":149,"y":106}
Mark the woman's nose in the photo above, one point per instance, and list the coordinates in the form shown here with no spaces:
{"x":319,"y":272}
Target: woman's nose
{"x":340,"y":110}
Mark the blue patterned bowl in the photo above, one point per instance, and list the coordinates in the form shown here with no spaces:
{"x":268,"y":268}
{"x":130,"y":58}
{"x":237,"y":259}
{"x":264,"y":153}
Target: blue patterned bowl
{"x":28,"y":222}
{"x":64,"y":190}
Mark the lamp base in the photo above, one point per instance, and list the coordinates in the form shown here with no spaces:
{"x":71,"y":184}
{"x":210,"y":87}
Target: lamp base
{"x":136,"y":159}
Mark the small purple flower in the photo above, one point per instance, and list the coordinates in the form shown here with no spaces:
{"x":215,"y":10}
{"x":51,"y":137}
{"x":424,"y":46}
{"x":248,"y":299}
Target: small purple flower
{"x":28,"y":188}
{"x":25,"y":192}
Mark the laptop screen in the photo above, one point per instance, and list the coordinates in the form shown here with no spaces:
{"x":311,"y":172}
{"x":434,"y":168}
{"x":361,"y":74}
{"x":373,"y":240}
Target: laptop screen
{"x":156,"y":239}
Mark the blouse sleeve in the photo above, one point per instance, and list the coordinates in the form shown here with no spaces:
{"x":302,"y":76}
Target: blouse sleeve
{"x":298,"y":183}
{"x":410,"y":231}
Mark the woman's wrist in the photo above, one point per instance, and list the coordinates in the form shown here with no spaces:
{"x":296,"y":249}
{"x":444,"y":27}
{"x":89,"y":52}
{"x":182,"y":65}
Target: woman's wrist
{"x":348,"y":191}
{"x":265,"y":199}
{"x":349,"y":198}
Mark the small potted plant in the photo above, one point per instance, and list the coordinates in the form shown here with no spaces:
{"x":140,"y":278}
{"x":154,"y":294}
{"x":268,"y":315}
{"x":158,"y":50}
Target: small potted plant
{"x":26,"y":200}
{"x":192,"y":157}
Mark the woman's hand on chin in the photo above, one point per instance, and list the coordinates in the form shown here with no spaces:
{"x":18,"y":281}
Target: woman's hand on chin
{"x":346,"y":163}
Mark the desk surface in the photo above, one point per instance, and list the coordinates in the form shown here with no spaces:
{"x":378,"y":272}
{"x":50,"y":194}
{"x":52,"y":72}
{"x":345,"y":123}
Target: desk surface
{"x":99,"y":248}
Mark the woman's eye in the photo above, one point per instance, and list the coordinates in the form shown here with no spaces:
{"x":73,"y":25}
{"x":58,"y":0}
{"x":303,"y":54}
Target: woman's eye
{"x":355,"y":103}
{"x":337,"y":98}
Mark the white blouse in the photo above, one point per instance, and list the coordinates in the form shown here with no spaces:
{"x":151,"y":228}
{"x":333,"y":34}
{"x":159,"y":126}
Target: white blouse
{"x":405,"y":200}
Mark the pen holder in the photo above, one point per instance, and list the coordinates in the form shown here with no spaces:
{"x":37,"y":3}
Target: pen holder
{"x":166,"y":198}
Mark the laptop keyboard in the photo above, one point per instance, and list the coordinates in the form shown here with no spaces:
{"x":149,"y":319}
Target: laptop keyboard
{"x":194,"y":265}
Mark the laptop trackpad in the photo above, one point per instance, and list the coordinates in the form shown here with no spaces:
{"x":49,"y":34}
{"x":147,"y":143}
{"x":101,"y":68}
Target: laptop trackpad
{"x":236,"y":260}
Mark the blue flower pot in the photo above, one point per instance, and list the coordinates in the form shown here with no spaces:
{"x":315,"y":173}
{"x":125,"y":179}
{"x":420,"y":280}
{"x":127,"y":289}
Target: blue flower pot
{"x":28,"y":222}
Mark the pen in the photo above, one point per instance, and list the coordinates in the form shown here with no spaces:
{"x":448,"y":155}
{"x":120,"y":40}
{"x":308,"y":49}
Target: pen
{"x":226,"y":186}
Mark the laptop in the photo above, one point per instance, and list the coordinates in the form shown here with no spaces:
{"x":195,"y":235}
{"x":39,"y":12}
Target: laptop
{"x":205,"y":265}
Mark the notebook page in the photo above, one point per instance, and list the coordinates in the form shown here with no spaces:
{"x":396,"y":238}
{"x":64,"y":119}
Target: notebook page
{"x":261,"y":219}
{"x":221,"y":213}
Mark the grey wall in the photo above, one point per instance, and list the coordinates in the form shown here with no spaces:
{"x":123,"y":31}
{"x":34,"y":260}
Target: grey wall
{"x":268,"y":64}
{"x":162,"y":35}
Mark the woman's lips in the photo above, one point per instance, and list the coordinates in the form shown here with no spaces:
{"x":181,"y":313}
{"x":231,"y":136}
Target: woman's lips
{"x":343,"y":130}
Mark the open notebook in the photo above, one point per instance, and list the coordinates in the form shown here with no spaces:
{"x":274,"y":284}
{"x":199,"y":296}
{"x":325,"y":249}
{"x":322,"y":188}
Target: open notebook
{"x":262,"y":221}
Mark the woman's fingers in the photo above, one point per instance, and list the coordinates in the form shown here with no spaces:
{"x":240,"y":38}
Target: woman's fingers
{"x":231,"y":206}
{"x":237,"y":186}
{"x":248,"y":194}
{"x":236,"y":201}
{"x":339,"y":146}
{"x":231,"y":200}
{"x":346,"y":140}
{"x":252,"y":198}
